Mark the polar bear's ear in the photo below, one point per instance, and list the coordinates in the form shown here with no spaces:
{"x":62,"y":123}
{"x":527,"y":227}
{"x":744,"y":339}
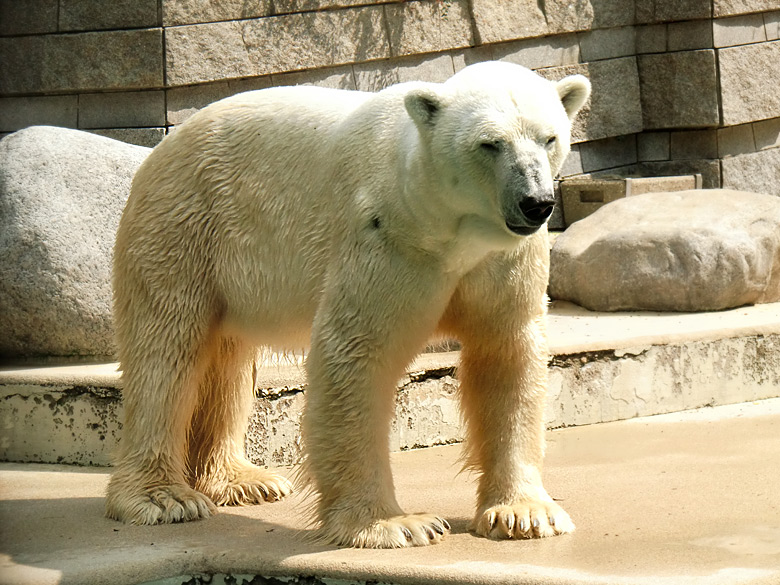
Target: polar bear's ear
{"x":423,"y":105}
{"x":574,"y":92}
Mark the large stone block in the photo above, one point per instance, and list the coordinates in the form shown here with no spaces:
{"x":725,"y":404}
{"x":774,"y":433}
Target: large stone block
{"x":508,"y":20}
{"x":577,"y":15}
{"x":648,"y":11}
{"x":178,"y":12}
{"x":758,"y":172}
{"x":81,"y":62}
{"x":614,"y":106}
{"x":733,"y":140}
{"x":651,"y":38}
{"x":749,"y":81}
{"x":738,"y":30}
{"x":708,"y":169}
{"x":767,"y":133}
{"x":78,"y":15}
{"x":688,"y":251}
{"x":341,"y":77}
{"x":679,"y":90}
{"x":729,"y":7}
{"x":377,"y":76}
{"x":28,"y":18}
{"x":772,"y":25}
{"x":225,"y":50}
{"x":61,"y":195}
{"x":122,"y":109}
{"x":182,"y":102}
{"x":21,"y":112}
{"x":690,"y":35}
{"x":601,"y":44}
{"x":425,"y":27}
{"x":653,"y":146}
{"x":464,"y":57}
{"x":554,"y":51}
{"x":597,"y":155}
{"x":694,"y":144}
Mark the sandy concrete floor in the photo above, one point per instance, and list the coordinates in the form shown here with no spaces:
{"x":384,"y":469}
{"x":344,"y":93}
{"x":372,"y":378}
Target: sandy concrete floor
{"x":690,"y":498}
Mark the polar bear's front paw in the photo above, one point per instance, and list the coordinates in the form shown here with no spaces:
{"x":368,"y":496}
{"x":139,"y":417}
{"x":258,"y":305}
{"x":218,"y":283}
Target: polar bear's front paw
{"x":164,"y":504}
{"x":394,"y":532}
{"x":246,"y":484}
{"x":526,"y":519}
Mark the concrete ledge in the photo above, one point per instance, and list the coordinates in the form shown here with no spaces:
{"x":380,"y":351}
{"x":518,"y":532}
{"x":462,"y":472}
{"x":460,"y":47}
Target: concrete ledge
{"x":605,"y":367}
{"x":686,"y":499}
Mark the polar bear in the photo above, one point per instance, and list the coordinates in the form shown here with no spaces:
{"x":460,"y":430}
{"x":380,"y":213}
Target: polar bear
{"x":359,"y":225}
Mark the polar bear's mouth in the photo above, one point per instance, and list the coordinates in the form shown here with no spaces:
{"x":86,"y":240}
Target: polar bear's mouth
{"x":523,"y":230}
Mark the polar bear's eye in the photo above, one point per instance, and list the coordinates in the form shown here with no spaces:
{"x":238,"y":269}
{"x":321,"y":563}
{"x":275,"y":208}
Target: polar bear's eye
{"x":490,"y":146}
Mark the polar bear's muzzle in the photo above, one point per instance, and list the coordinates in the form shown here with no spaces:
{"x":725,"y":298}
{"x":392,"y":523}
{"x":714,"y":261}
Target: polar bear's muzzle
{"x":529,"y":213}
{"x":527,"y":198}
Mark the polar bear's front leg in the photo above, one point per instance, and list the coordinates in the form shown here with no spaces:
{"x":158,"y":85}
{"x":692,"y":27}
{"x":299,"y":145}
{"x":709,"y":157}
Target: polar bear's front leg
{"x":503,"y":391}
{"x":373,"y":320}
{"x":499,"y":315}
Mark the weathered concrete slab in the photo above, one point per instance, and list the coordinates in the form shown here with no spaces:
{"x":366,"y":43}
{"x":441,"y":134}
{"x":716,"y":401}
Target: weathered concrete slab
{"x":605,"y":367}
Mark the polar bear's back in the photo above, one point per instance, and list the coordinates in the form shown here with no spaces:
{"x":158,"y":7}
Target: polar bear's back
{"x":251,"y":176}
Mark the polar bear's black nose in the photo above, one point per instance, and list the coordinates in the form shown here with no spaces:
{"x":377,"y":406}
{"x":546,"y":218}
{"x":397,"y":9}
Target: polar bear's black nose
{"x":536,"y":211}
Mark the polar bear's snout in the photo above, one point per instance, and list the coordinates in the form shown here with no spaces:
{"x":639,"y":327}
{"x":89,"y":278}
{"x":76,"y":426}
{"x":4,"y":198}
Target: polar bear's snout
{"x":528,"y":198}
{"x":534,"y":211}
{"x":537,"y":210}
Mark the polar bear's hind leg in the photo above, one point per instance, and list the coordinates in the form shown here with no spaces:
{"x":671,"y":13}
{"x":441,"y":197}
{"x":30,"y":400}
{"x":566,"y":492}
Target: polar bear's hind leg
{"x":217,"y":462}
{"x":160,"y":375}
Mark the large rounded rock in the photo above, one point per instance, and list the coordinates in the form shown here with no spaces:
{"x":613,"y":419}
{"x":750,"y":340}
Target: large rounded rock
{"x":699,"y":250}
{"x":61,"y":195}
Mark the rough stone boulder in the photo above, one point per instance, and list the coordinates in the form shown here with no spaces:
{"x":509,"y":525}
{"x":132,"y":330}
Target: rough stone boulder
{"x":61,"y":195}
{"x":701,"y":250}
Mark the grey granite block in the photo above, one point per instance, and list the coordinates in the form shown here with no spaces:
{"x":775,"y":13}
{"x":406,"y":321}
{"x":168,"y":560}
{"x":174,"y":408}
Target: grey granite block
{"x":749,"y":81}
{"x":122,"y":109}
{"x":21,"y":112}
{"x":91,"y":61}
{"x":248,"y":48}
{"x":679,"y":90}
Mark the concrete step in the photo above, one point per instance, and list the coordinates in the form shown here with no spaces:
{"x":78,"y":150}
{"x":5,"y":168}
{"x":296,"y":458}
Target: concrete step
{"x":606,"y":367}
{"x":682,"y":499}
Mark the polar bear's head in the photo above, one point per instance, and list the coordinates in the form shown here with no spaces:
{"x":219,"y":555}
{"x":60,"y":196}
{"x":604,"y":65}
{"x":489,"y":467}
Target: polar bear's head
{"x":498,"y":134}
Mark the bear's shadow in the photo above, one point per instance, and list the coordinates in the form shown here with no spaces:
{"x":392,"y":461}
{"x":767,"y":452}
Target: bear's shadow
{"x":73,"y":537}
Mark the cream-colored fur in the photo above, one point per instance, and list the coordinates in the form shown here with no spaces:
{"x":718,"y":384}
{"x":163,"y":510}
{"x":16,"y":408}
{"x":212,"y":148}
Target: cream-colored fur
{"x":363,"y":224}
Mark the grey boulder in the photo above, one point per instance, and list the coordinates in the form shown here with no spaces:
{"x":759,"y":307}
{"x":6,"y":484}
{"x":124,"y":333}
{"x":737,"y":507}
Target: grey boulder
{"x":701,"y":250}
{"x":62,"y":193}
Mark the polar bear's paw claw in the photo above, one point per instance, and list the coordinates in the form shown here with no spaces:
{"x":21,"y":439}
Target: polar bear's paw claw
{"x":398,"y":532}
{"x":160,"y":505}
{"x":247,"y":485}
{"x":527,"y":519}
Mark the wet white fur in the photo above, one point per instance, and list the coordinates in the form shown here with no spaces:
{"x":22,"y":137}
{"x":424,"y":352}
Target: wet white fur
{"x":361,"y":225}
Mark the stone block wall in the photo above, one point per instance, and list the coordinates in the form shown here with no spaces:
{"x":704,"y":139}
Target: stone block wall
{"x":679,"y":87}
